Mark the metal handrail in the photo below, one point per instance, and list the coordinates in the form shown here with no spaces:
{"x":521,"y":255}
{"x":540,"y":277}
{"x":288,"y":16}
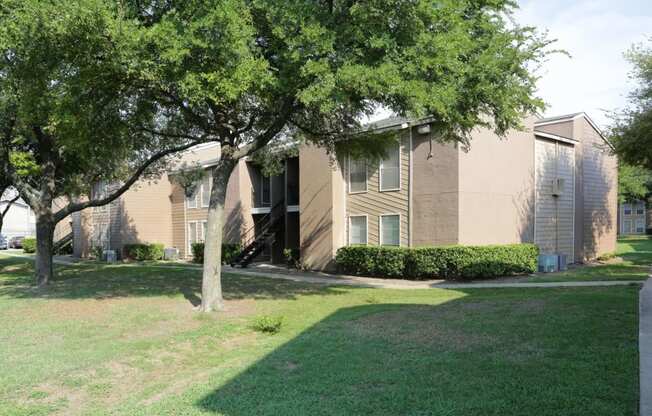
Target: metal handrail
{"x":245,"y":239}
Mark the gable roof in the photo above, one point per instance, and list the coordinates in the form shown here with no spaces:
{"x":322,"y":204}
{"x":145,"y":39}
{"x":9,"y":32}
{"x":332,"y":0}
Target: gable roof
{"x":571,"y":117}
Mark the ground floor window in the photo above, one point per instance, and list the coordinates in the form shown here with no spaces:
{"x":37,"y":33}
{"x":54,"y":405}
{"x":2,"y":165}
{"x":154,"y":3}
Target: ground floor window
{"x":358,"y":229}
{"x":640,"y":226}
{"x":390,"y":230}
{"x":196,"y":233}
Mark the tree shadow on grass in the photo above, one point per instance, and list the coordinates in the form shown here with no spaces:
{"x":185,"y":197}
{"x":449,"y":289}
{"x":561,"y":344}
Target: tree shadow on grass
{"x":101,"y":281}
{"x":523,"y":353}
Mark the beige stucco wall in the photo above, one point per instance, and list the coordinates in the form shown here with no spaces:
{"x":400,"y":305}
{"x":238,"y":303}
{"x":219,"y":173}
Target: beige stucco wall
{"x":321,"y":203}
{"x":146,"y":215}
{"x":434,"y":191}
{"x":496,"y":186}
{"x":375,"y":203}
{"x":600,"y":192}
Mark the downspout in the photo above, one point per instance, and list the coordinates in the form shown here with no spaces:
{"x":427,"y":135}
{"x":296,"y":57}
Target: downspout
{"x":410,"y":170}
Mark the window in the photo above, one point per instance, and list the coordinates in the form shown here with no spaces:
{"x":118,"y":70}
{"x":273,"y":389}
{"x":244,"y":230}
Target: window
{"x":358,"y":230}
{"x":390,"y":170}
{"x":196,"y":233}
{"x":191,"y":201}
{"x":640,"y":226}
{"x":357,"y":176}
{"x":206,"y":191}
{"x":390,"y":230}
{"x":627,"y":227}
{"x":640,"y":209}
{"x":266,"y":191}
{"x":627,"y":209}
{"x":100,"y":190}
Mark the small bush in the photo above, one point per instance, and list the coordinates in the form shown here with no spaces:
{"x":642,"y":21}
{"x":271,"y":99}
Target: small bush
{"x":229,"y":252}
{"x":448,"y":262}
{"x":29,"y":245}
{"x":142,"y":252}
{"x":268,"y":324}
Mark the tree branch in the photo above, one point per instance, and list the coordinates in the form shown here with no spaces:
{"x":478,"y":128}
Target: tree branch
{"x":9,"y":202}
{"x":78,"y":206}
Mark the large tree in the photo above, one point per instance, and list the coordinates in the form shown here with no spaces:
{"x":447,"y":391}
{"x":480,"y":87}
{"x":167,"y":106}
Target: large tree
{"x":634,"y":183}
{"x":72,"y":113}
{"x":250,"y":73}
{"x":632,"y":130}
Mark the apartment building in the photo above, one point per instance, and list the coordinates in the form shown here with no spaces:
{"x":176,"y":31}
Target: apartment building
{"x":634,"y":218}
{"x":554,"y":184}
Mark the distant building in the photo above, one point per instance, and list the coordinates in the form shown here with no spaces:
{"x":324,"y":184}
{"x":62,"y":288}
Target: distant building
{"x":19,"y":220}
{"x":634,"y":218}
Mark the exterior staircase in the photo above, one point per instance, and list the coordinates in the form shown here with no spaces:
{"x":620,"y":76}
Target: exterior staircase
{"x":260,"y":235}
{"x":63,"y":243}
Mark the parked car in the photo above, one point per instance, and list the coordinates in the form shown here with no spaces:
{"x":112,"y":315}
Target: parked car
{"x":16,"y":242}
{"x":3,"y":242}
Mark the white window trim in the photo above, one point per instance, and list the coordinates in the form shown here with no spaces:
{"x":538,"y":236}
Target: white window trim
{"x":193,"y":206}
{"x":380,"y":174}
{"x":194,"y":223}
{"x":380,"y":228}
{"x":366,"y":217}
{"x":366,"y":178}
{"x":201,"y":191}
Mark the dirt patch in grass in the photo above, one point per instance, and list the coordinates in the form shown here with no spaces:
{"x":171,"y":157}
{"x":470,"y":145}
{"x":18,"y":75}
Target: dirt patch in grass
{"x":423,"y":326}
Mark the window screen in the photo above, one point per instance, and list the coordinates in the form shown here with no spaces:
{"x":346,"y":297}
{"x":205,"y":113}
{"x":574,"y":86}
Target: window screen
{"x":205,"y":191}
{"x":390,"y":170}
{"x":390,"y":230}
{"x":357,"y":175}
{"x":358,"y":231}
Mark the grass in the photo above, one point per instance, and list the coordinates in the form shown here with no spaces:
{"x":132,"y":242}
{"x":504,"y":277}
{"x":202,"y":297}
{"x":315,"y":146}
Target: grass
{"x":636,"y":255}
{"x":124,"y":340}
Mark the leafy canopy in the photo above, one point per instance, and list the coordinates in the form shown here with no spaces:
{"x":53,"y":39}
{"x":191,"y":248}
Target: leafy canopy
{"x":634,"y":183}
{"x":72,"y":109}
{"x":250,"y":72}
{"x":632,"y":130}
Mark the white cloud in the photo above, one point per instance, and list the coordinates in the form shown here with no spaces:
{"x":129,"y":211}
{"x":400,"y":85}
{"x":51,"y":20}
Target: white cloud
{"x":596,"y":34}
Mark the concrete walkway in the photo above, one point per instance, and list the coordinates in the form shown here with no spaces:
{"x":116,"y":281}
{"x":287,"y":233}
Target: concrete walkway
{"x":275,"y":272}
{"x":645,"y":347}
{"x":326,"y":279}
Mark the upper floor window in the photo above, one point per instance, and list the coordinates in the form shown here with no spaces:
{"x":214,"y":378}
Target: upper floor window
{"x":201,"y":195}
{"x":357,"y":175}
{"x":390,"y":170}
{"x":627,"y":209}
{"x":101,"y":190}
{"x":265,"y":190}
{"x":390,"y":230}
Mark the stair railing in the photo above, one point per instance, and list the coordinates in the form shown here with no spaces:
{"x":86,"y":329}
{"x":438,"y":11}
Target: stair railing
{"x":250,"y":235}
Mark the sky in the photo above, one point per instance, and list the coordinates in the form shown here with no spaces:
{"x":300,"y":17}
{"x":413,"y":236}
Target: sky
{"x":595,"y":33}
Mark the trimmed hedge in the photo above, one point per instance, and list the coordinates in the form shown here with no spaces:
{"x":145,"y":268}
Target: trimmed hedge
{"x":447,"y":262}
{"x":142,"y":252}
{"x":229,"y":252}
{"x":29,"y":245}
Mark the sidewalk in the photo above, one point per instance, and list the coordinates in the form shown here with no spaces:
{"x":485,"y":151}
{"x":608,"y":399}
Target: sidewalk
{"x":275,"y":272}
{"x":645,"y":348}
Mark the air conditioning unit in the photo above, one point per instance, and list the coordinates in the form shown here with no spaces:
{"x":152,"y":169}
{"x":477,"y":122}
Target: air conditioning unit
{"x":171,"y":253}
{"x":110,"y":256}
{"x":558,"y":186}
{"x":550,"y":263}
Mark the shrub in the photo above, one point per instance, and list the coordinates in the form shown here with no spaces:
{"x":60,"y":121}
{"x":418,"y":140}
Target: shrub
{"x":268,"y":324}
{"x":29,"y":245}
{"x":229,"y":252}
{"x":448,"y":262}
{"x":142,"y":252}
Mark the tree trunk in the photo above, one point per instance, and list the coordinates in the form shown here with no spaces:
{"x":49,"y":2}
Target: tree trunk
{"x":211,"y":290}
{"x":44,"y":248}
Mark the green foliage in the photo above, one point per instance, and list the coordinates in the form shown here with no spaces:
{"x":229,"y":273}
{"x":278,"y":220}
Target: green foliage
{"x":229,"y":252}
{"x":96,"y":252}
{"x":189,"y":177}
{"x":447,"y":262}
{"x":143,"y":251}
{"x":29,"y":245}
{"x":631,"y":128}
{"x":634,"y":183}
{"x":267,"y":324}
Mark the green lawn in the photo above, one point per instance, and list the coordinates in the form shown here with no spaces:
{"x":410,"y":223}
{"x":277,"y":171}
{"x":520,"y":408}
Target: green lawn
{"x":124,"y":340}
{"x":636,"y":255}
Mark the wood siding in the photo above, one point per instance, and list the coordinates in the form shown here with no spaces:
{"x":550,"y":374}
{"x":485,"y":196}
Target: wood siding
{"x":600,"y":193}
{"x":554,"y":214}
{"x":375,"y":203}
